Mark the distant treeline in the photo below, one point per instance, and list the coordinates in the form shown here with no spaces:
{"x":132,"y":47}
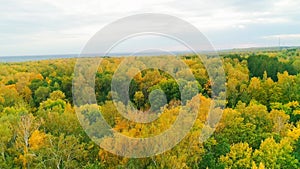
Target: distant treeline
{"x":259,"y":63}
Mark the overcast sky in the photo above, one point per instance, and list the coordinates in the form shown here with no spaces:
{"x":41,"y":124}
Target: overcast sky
{"x":34,"y":27}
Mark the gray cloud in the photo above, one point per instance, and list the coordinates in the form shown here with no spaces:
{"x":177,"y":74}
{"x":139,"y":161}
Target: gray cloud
{"x":64,"y":26}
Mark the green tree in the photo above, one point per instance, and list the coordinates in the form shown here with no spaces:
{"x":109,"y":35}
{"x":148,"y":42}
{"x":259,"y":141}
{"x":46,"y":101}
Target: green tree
{"x":276,"y":155}
{"x":41,"y":94}
{"x":240,"y":156}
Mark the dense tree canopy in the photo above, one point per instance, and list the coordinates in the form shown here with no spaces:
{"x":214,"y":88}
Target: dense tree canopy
{"x":260,"y":126}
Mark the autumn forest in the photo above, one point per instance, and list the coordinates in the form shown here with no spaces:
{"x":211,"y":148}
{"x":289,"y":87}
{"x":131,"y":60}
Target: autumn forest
{"x":259,"y":128}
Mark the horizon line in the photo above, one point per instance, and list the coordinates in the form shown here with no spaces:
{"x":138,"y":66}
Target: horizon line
{"x":242,"y":49}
